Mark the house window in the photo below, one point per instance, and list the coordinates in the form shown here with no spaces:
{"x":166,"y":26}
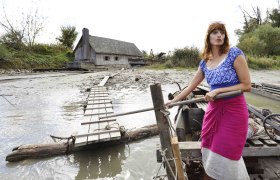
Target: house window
{"x":116,"y":58}
{"x":106,"y":58}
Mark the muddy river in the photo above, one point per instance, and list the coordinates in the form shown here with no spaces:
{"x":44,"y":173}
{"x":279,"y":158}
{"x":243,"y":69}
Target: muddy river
{"x":35,"y":106}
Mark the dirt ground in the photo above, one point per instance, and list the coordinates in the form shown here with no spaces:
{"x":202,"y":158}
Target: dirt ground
{"x":142,"y":77}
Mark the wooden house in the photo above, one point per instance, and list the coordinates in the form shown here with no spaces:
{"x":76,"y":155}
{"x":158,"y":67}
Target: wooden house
{"x":94,"y":52}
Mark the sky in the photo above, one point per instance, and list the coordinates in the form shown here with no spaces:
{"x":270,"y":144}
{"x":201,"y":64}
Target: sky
{"x":161,"y":25}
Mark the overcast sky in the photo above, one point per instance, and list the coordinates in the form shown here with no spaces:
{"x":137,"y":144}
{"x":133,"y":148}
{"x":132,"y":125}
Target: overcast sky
{"x":161,"y":25}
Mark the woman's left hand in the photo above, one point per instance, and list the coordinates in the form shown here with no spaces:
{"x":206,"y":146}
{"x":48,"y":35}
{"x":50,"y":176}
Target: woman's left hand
{"x":210,"y":95}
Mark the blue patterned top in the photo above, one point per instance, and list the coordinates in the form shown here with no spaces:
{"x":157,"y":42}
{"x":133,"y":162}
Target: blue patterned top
{"x":224,"y":75}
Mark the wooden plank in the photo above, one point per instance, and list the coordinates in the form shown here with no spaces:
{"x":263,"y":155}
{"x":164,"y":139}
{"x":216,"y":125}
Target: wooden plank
{"x":95,"y":114}
{"x":98,"y":91}
{"x":98,"y":111}
{"x":99,"y":106}
{"x":108,"y":107}
{"x":177,"y":157}
{"x":93,"y":128}
{"x":271,"y":89}
{"x":255,"y":142}
{"x":265,"y":94}
{"x":114,"y":135}
{"x":96,"y":133}
{"x":97,"y":96}
{"x":105,"y":136}
{"x":99,"y":99}
{"x":103,"y":82}
{"x":271,"y":85}
{"x":264,"y":151}
{"x":103,"y":93}
{"x":98,"y":88}
{"x":82,"y":130}
{"x":269,"y":142}
{"x":98,"y":102}
{"x":192,"y":149}
{"x":92,"y":122}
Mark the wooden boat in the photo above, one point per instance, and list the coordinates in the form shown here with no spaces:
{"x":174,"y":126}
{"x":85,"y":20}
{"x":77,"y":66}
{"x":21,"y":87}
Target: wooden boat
{"x":271,"y":91}
{"x":261,"y":155}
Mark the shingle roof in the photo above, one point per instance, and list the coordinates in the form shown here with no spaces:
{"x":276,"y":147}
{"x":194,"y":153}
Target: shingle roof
{"x":111,"y":46}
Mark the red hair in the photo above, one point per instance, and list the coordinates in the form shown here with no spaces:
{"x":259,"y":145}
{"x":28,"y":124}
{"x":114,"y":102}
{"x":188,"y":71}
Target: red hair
{"x":207,"y":52}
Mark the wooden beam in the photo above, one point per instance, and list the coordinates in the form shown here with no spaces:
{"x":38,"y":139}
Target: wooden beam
{"x":93,"y":122}
{"x":177,"y":157}
{"x":93,"y":103}
{"x":103,"y":82}
{"x":98,"y":99}
{"x":95,"y":114}
{"x":261,"y":151}
{"x":96,"y":133}
{"x":192,"y":149}
{"x":163,"y":127}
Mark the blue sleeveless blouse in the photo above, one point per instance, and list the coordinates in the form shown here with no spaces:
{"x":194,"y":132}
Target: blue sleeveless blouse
{"x":224,"y":75}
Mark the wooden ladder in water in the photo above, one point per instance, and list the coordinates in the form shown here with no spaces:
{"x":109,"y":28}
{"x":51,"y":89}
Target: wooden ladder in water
{"x":94,"y":129}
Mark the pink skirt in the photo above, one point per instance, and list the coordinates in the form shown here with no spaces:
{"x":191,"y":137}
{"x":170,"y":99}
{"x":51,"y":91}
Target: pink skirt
{"x":225,"y":127}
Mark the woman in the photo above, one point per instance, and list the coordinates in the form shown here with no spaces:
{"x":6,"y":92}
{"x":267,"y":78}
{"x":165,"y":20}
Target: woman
{"x":225,"y":122}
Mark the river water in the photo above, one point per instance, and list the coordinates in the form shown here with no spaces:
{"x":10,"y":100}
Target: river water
{"x":39,"y":105}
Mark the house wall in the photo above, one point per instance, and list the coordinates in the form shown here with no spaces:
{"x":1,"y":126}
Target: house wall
{"x":122,"y":60}
{"x":79,"y":55}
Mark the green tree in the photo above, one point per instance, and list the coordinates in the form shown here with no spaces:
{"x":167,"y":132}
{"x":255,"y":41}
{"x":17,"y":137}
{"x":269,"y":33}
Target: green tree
{"x":13,"y":39}
{"x":271,"y":38}
{"x":265,"y":40}
{"x":68,"y":36}
{"x":274,"y":16}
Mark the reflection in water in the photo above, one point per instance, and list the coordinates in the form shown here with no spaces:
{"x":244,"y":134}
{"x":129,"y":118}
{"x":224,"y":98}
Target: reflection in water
{"x":100,"y":163}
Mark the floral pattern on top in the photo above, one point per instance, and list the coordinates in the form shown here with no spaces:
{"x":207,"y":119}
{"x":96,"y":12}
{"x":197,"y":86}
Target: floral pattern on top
{"x":224,"y":74}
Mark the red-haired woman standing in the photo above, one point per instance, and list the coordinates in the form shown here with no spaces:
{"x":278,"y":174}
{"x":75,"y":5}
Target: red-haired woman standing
{"x":225,"y":122}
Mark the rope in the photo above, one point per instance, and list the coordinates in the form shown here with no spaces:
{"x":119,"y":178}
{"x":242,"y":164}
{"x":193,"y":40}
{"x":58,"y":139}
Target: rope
{"x":169,"y":166}
{"x":73,"y":138}
{"x":166,"y":114}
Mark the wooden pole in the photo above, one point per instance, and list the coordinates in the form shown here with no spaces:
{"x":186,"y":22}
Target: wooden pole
{"x":202,"y":99}
{"x":163,"y":127}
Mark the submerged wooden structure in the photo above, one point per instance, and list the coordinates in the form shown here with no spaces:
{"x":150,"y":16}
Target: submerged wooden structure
{"x":271,"y":91}
{"x":261,"y":155}
{"x":97,"y":130}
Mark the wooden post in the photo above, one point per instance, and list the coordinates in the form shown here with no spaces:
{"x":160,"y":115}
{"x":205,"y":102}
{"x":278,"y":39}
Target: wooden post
{"x":163,"y":127}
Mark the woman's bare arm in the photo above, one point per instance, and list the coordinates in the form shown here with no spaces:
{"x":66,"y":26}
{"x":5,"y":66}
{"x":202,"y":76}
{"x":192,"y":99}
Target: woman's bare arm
{"x":242,"y":70}
{"x":197,"y":79}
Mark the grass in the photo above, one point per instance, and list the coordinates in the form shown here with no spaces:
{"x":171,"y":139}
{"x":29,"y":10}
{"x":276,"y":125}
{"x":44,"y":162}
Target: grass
{"x":39,"y":56}
{"x":260,"y":63}
{"x":256,"y":63}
